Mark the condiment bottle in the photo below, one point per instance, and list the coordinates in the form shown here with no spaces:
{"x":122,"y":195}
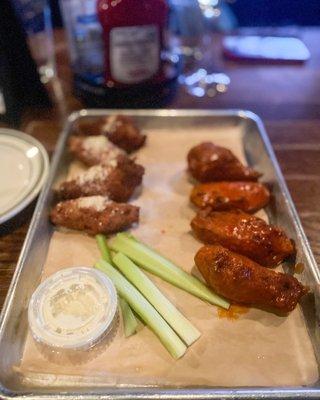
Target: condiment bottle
{"x":133,"y":36}
{"x":20,"y":85}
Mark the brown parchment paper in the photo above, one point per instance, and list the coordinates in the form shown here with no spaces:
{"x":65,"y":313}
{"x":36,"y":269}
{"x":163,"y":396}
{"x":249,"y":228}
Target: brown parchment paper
{"x":259,"y":348}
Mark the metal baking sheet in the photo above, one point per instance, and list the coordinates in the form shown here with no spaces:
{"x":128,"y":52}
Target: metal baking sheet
{"x":13,"y":324}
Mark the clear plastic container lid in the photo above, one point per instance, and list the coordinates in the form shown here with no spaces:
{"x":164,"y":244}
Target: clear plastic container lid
{"x":73,"y":309}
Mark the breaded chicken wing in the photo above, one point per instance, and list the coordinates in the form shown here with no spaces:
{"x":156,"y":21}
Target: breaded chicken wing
{"x":119,"y":129}
{"x":209,"y":163}
{"x":247,"y":196}
{"x":123,"y":132}
{"x":96,"y":214}
{"x":243,"y":233}
{"x":242,"y":280}
{"x":93,"y":150}
{"x":117,"y":180}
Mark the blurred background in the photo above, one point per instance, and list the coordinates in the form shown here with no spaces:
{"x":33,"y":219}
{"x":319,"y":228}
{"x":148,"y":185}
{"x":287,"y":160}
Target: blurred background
{"x":252,"y":12}
{"x":70,"y":47}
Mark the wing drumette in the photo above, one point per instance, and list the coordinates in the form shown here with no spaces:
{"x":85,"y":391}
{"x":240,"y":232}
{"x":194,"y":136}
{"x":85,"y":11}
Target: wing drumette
{"x":93,"y":150}
{"x":119,"y":129}
{"x":245,"y":234}
{"x":242,"y":280}
{"x":117,"y":180}
{"x":96,"y":214}
{"x":247,"y":196}
{"x":208,"y":163}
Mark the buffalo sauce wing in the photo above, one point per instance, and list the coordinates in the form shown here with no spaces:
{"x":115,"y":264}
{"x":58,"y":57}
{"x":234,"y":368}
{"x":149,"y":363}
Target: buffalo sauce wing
{"x":247,"y":196}
{"x":241,"y":280}
{"x":208,"y":163}
{"x":245,"y":234}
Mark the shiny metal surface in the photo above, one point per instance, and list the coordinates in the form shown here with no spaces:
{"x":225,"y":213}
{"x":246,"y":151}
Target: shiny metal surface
{"x":13,"y":322}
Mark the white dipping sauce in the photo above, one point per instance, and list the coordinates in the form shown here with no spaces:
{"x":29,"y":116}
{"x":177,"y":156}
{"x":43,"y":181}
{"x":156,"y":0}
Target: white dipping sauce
{"x":73,"y":309}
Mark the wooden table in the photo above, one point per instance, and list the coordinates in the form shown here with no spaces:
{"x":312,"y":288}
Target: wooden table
{"x":287,"y":97}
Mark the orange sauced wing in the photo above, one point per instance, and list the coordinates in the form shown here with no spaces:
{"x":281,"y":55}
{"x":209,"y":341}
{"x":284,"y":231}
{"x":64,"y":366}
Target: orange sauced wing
{"x":240,"y":279}
{"x":209,"y":163}
{"x":247,"y":196}
{"x":245,"y":234}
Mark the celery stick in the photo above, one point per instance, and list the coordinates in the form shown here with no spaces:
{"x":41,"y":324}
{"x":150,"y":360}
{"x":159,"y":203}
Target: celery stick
{"x":129,"y":235}
{"x":197,"y":282}
{"x":153,"y":262}
{"x":165,"y":308}
{"x":103,"y":247}
{"x":144,"y":309}
{"x":130,"y":322}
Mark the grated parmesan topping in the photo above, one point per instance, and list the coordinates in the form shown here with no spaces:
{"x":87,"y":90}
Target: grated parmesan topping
{"x":98,"y":203}
{"x":214,"y":157}
{"x":98,"y":172}
{"x":109,"y":162}
{"x":101,"y":148}
{"x":110,"y":124}
{"x":96,"y":143}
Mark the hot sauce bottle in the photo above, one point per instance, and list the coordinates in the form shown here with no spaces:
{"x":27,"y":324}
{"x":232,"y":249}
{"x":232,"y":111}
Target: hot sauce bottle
{"x":133,"y":36}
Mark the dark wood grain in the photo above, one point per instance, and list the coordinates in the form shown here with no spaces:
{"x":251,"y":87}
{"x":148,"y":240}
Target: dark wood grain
{"x":287,"y":97}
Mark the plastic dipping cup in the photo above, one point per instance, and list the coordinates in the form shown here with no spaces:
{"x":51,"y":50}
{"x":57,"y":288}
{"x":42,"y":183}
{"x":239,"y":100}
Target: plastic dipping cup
{"x":73,"y":310}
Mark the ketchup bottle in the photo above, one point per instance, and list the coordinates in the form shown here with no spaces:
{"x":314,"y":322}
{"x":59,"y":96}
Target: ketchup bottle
{"x":133,"y":33}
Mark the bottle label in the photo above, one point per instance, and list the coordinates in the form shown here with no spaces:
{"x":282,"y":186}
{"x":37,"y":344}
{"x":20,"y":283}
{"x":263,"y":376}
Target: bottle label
{"x":134,"y":53}
{"x":84,"y":33}
{"x":89,"y":44}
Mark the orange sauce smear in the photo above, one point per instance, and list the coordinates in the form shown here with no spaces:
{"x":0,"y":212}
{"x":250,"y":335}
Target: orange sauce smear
{"x":299,"y":267}
{"x":234,"y":312}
